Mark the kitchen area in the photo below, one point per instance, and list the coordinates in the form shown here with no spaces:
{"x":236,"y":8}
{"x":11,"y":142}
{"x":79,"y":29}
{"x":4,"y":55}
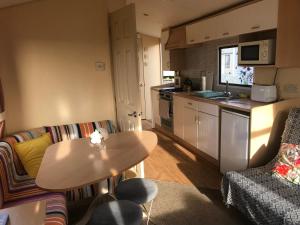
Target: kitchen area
{"x":228,"y":70}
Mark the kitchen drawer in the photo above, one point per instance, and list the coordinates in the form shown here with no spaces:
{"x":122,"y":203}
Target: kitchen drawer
{"x":191,"y":104}
{"x":208,"y":108}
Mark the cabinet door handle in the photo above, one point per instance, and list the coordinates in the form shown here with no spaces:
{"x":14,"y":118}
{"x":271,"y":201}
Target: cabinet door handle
{"x":255,"y":27}
{"x":207,"y":37}
{"x":189,"y":103}
{"x":192,"y":40}
{"x":225,"y":33}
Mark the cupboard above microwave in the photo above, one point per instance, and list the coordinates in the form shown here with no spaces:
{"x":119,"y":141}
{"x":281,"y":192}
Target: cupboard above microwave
{"x":257,"y":52}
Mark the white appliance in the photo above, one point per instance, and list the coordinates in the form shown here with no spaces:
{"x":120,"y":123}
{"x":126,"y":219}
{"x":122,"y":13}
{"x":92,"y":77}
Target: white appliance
{"x":257,"y":52}
{"x":264,"y":93}
{"x":234,"y":151}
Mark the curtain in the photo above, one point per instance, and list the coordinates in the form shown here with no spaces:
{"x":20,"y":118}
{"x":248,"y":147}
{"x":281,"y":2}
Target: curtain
{"x":2,"y":112}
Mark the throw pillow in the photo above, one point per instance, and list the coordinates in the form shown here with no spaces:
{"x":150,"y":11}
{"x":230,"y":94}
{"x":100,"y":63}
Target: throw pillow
{"x":31,"y":153}
{"x":288,"y":164}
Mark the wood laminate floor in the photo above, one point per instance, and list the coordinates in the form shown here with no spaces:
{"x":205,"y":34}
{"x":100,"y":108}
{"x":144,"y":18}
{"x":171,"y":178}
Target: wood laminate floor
{"x":172,"y":162}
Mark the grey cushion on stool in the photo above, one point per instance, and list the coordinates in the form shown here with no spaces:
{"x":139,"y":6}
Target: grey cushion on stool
{"x":117,"y":213}
{"x":137,"y":190}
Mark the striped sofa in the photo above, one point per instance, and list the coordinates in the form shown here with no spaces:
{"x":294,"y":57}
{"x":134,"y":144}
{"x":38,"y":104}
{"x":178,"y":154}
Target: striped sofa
{"x":16,"y":187}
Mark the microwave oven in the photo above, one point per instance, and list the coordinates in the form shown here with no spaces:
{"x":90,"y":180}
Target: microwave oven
{"x":257,"y":52}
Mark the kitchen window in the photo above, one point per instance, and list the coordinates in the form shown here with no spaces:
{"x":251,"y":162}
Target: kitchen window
{"x":230,"y":71}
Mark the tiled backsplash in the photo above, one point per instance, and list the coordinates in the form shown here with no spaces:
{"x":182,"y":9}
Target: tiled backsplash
{"x":203,"y":60}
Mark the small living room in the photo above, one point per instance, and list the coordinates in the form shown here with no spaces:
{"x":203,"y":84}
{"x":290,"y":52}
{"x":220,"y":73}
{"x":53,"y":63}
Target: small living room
{"x":161,"y":112}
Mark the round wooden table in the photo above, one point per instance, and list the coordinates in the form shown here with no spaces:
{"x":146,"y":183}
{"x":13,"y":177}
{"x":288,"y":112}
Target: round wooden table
{"x":75,"y":163}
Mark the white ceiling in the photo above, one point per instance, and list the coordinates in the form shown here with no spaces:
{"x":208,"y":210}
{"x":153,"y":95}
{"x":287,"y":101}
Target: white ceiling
{"x":6,"y":3}
{"x":161,"y":13}
{"x":166,"y":13}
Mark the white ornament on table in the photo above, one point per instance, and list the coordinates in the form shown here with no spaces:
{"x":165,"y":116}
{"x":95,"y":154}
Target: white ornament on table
{"x":96,"y":137}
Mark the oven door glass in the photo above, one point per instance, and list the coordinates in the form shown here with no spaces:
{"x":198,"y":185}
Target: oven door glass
{"x":250,"y":53}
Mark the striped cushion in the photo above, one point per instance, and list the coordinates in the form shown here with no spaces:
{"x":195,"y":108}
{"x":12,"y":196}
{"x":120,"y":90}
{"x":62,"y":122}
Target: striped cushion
{"x":21,"y":137}
{"x":82,"y":130}
{"x":78,"y":130}
{"x":56,"y":210}
{"x":14,"y":187}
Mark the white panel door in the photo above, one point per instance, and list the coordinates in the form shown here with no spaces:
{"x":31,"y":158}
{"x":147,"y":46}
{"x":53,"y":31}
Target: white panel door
{"x":208,"y":134}
{"x":141,"y":76}
{"x":190,"y":127}
{"x":125,"y":68}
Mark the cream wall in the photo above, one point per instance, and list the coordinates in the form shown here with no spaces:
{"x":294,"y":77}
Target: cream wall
{"x":151,"y":68}
{"x":287,"y":80}
{"x":48,"y":51}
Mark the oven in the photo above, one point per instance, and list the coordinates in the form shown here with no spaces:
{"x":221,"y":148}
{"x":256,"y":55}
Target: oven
{"x":166,"y":109}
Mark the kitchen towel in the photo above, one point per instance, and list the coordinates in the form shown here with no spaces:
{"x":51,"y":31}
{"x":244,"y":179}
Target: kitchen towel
{"x":164,"y":108}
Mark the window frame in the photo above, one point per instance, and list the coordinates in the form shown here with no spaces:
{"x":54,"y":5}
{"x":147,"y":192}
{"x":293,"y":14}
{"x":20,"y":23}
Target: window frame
{"x":219,"y":64}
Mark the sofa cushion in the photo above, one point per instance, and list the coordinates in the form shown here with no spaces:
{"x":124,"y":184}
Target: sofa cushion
{"x":78,"y":130}
{"x":291,"y":134}
{"x":56,"y":210}
{"x":32,"y":152}
{"x":14,"y":187}
{"x":20,"y":137}
{"x":288,"y":163}
{"x":264,"y":198}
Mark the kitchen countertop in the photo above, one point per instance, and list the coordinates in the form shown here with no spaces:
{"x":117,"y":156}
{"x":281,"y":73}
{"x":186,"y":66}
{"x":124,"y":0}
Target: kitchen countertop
{"x":241,"y":104}
{"x":245,"y":105}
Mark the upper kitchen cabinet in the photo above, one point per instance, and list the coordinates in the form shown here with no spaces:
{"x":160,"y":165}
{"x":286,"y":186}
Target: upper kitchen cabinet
{"x":177,"y":38}
{"x":288,"y":34}
{"x":165,"y":54}
{"x":201,"y":31}
{"x":250,"y":18}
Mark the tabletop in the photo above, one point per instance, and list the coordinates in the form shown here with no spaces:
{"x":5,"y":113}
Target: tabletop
{"x":71,"y":164}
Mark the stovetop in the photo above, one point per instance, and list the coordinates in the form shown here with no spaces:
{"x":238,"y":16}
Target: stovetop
{"x":170,"y":90}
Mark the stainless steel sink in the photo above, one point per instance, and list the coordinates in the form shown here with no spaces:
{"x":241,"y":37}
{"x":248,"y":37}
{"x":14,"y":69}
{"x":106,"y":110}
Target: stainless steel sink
{"x":223,"y":98}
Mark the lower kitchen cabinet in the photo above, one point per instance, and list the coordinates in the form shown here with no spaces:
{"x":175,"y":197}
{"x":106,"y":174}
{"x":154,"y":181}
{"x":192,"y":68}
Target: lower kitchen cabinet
{"x":190,"y":126}
{"x":208,"y":134}
{"x":178,"y":116}
{"x":199,"y":125}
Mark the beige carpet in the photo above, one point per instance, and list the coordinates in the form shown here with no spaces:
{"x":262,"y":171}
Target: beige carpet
{"x":178,"y":204}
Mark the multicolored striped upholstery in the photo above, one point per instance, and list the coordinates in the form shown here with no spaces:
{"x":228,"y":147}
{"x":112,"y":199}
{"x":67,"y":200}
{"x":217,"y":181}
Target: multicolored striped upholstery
{"x":56,"y":210}
{"x":21,"y":137}
{"x":78,"y":130}
{"x":82,"y":130}
{"x":16,"y":185}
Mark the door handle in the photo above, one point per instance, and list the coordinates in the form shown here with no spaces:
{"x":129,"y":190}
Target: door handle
{"x":134,"y":114}
{"x":255,"y":27}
